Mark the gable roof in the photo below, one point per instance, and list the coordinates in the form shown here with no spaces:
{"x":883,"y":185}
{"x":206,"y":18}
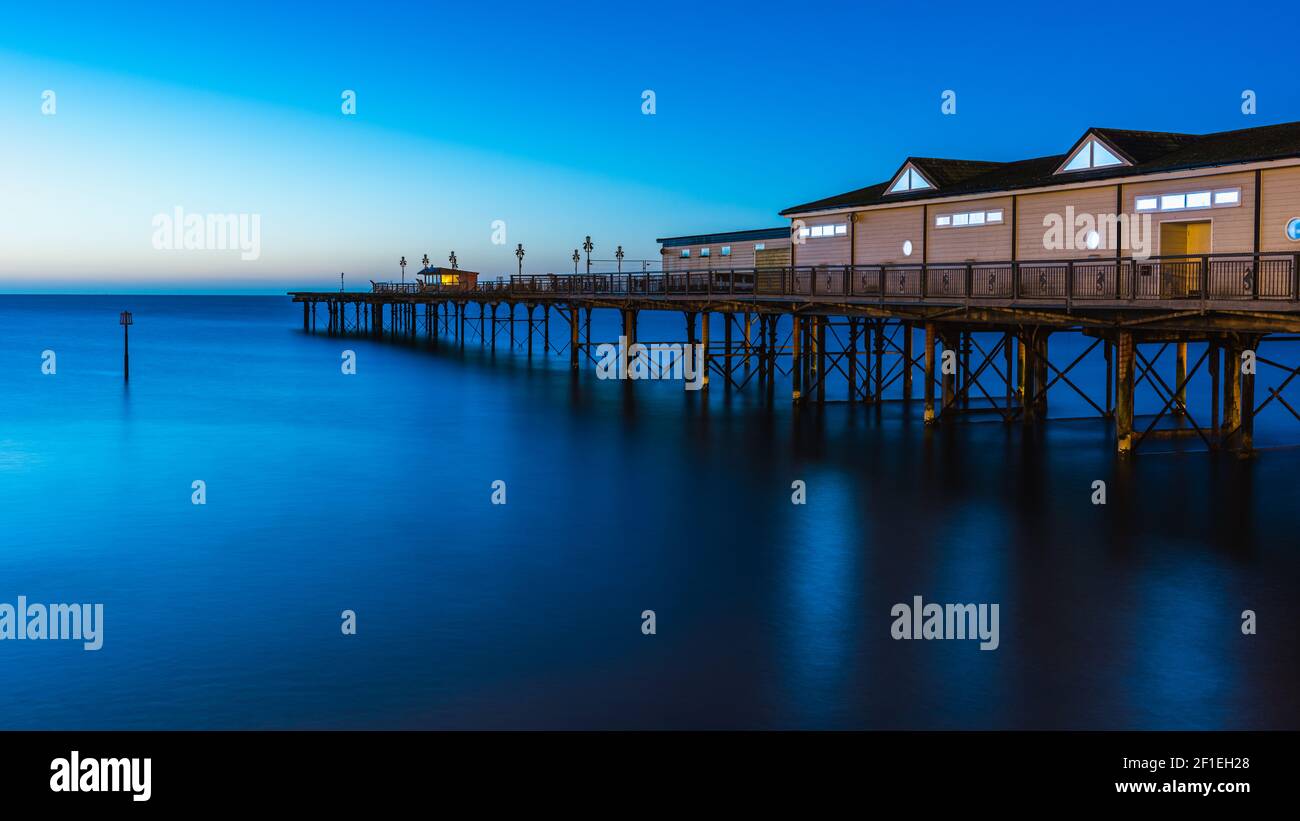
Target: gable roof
{"x":1149,"y":151}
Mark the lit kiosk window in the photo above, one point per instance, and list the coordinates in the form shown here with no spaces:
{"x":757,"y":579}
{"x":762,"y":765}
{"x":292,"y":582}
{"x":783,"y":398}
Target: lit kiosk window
{"x":446,"y":279}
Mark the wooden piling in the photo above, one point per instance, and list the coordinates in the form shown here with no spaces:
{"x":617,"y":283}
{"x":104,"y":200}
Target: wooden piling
{"x":929,"y":373}
{"x":1124,"y":352}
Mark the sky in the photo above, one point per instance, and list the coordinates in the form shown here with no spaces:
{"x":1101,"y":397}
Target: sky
{"x":478,"y":126}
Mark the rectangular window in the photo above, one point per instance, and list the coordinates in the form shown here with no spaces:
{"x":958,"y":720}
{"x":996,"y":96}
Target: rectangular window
{"x":704,"y":252}
{"x":977,"y":218}
{"x":760,"y":246}
{"x":1198,"y":199}
{"x":1147,"y":203}
{"x":726,"y":250}
{"x":1230,"y":196}
{"x":961,"y":219}
{"x":944,"y":220}
{"x":817,"y":230}
{"x":841,"y":230}
{"x":805,"y":232}
{"x":995,"y":216}
{"x":1173,"y":202}
{"x":686,"y":252}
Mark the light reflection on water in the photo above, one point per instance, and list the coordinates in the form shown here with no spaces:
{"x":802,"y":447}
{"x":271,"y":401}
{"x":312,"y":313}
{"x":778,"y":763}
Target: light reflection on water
{"x":372,"y":493}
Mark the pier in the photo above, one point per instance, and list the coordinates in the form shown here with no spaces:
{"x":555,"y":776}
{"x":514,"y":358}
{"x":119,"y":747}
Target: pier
{"x":980,"y":334}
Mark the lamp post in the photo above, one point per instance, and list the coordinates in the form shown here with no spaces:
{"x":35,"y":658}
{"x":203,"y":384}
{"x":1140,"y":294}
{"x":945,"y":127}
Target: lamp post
{"x":587,"y":246}
{"x":341,"y":286}
{"x":125,"y":321}
{"x":452,"y":259}
{"x":519,"y":255}
{"x":575,"y":261}
{"x":618,"y":255}
{"x":403,"y":264}
{"x":425,"y":261}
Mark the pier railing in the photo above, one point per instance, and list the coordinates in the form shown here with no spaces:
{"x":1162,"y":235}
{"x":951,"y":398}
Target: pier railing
{"x":1235,"y":277}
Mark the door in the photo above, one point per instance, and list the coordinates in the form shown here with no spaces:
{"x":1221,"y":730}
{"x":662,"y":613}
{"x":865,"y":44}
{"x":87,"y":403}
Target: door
{"x":1182,"y":278}
{"x":770,"y":262}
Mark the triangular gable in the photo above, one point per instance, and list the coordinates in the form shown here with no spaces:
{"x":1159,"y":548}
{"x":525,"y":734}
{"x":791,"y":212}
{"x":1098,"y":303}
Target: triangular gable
{"x":908,"y":179}
{"x":1092,"y":152}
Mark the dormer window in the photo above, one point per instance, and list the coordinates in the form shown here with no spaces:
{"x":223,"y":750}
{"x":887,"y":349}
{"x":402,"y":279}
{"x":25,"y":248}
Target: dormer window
{"x":1092,"y":154}
{"x":909,"y":179}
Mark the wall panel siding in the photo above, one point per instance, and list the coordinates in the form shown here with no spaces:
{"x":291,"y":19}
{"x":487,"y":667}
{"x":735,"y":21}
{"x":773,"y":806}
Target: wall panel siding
{"x":742,"y":255}
{"x":824,"y":250}
{"x":1232,"y":230}
{"x":1280,"y":204}
{"x":880,"y":235}
{"x":980,"y":243}
{"x":1032,"y":232}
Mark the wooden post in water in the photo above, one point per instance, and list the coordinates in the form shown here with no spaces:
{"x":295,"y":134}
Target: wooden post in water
{"x":1215,"y":431}
{"x":1231,"y":391}
{"x":126,"y":321}
{"x":821,"y":358}
{"x":1180,"y":374}
{"x":907,"y":361}
{"x":796,"y":368}
{"x":853,"y":359}
{"x":704,"y":347}
{"x":929,"y":373}
{"x":1124,"y":392}
{"x":1248,"y":402}
{"x":573,"y":337}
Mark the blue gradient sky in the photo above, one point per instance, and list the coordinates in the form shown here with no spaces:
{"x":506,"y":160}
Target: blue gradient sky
{"x":531,"y":114}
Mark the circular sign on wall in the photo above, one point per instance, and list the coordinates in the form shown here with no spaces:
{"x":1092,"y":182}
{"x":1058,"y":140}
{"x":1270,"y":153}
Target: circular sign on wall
{"x":1293,"y":229}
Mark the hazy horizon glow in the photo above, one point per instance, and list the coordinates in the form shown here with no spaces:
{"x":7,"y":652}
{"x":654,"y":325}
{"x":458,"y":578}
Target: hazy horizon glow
{"x":468,"y":115}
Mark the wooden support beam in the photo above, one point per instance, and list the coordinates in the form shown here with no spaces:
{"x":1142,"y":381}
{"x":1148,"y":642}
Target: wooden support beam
{"x":796,"y":365}
{"x":1124,"y":392}
{"x":1180,"y":376}
{"x":1215,"y":430}
{"x":853,"y":359}
{"x":821,"y":359}
{"x":929,"y":373}
{"x":573,"y":338}
{"x":1231,"y":392}
{"x":704,"y":346}
{"x":907,"y":361}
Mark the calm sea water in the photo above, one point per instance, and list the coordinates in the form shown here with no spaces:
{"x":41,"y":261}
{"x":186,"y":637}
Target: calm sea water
{"x":372,"y":493}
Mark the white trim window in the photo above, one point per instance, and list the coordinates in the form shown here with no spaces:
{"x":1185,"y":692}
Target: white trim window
{"x":760,"y":246}
{"x":1092,"y":154}
{"x":686,"y":252}
{"x":1188,"y":200}
{"x":909,"y":179}
{"x":704,"y":252}
{"x":726,"y":250}
{"x":818,"y":231}
{"x":969,"y":218}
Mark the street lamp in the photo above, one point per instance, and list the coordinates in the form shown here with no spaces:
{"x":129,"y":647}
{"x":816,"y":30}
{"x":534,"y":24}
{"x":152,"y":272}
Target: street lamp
{"x":575,"y":261}
{"x":618,"y":255}
{"x":519,"y":254}
{"x":452,"y":259}
{"x":403,"y":264}
{"x":587,"y":246}
{"x":425,"y":261}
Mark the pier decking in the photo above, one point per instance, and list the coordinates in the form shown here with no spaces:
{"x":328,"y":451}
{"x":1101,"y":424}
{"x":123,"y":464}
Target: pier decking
{"x":849,"y":319}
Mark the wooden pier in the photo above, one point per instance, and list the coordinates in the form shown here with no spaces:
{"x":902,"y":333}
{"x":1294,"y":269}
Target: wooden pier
{"x":984,"y":331}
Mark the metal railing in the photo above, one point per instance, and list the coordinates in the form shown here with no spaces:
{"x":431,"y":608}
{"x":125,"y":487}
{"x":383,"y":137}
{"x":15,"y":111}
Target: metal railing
{"x":1218,"y":277}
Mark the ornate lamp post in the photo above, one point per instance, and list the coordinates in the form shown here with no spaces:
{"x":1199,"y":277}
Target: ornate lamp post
{"x":341,"y":287}
{"x":125,"y":321}
{"x":618,"y":255}
{"x":403,"y":264}
{"x":519,"y":255}
{"x":425,"y":261}
{"x":452,"y":259}
{"x":587,"y":246}
{"x":575,"y":261}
